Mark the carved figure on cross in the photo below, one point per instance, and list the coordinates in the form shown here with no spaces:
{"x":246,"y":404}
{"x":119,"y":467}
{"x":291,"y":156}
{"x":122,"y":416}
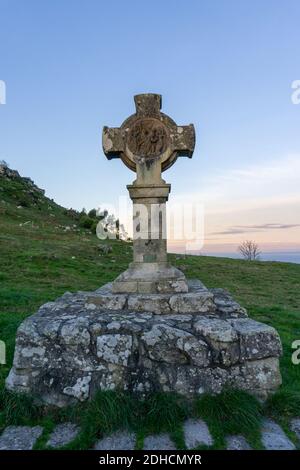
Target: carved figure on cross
{"x":149,"y":141}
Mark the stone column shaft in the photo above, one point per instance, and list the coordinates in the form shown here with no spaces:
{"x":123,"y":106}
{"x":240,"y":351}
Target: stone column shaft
{"x":149,"y":223}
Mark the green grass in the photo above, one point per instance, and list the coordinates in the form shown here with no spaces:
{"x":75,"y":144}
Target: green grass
{"x":40,"y":260}
{"x":231,"y":412}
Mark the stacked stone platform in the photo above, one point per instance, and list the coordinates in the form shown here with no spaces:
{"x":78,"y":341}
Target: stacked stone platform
{"x":189,"y":343}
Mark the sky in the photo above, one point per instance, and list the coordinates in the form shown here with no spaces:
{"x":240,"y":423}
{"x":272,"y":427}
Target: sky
{"x":70,"y":67}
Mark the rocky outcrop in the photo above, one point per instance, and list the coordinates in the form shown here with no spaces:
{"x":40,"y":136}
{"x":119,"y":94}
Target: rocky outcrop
{"x":6,"y":172}
{"x":189,"y":343}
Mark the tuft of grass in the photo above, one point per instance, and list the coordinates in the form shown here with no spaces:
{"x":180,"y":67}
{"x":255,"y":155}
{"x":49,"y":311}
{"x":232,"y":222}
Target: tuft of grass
{"x":163,"y":412}
{"x":233,"y":411}
{"x":109,"y":411}
{"x":18,"y":409}
{"x":284,"y":402}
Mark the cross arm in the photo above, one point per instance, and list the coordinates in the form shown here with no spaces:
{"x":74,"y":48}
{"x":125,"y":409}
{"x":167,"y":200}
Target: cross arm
{"x":184,"y":140}
{"x":112,"y":142}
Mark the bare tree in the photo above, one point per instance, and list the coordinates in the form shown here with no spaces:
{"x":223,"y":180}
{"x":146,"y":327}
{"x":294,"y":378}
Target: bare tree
{"x":249,"y":250}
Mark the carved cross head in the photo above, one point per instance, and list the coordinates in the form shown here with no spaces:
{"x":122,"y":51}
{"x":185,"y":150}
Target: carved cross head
{"x":149,"y":138}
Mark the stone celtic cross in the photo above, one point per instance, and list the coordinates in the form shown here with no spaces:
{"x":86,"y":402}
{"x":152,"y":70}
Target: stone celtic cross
{"x":150,"y":330}
{"x":149,"y":142}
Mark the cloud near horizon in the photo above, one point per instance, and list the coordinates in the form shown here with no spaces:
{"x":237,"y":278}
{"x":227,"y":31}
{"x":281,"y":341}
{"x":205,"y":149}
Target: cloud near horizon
{"x":254,"y":228}
{"x":248,"y":200}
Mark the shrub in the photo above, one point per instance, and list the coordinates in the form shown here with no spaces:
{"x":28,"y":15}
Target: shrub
{"x":23,"y":202}
{"x":92,"y":214}
{"x":86,"y":222}
{"x":71,"y":213}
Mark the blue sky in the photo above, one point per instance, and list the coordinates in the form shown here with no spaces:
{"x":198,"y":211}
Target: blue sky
{"x":71,"y":67}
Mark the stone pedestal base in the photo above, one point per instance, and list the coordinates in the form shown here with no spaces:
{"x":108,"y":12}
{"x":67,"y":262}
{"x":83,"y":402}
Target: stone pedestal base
{"x":189,"y":343}
{"x":150,"y":278}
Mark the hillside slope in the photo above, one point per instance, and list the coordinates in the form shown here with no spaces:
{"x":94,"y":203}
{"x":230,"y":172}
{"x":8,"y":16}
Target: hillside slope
{"x":43,"y":249}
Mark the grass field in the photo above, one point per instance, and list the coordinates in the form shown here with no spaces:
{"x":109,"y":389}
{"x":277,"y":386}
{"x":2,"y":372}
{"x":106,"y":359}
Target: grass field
{"x":40,"y":259}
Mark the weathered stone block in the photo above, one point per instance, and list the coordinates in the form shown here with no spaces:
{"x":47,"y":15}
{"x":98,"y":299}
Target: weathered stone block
{"x":226,"y":306}
{"x":150,"y":278}
{"x":167,"y":344}
{"x":260,"y":377}
{"x":63,"y":434}
{"x":120,"y":440}
{"x":110,"y":302}
{"x":80,"y":389}
{"x":257,"y":340}
{"x":195,"y":285}
{"x":273,"y":437}
{"x":75,"y":332}
{"x":201,"y":302}
{"x":196,"y":350}
{"x":31,"y":356}
{"x":165,"y":286}
{"x":114,"y":348}
{"x":222,"y":338}
{"x":125,"y":287}
{"x":295,"y":427}
{"x":20,"y":437}
{"x":158,"y":303}
{"x":237,"y":443}
{"x":216,"y":330}
{"x":196,"y":433}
